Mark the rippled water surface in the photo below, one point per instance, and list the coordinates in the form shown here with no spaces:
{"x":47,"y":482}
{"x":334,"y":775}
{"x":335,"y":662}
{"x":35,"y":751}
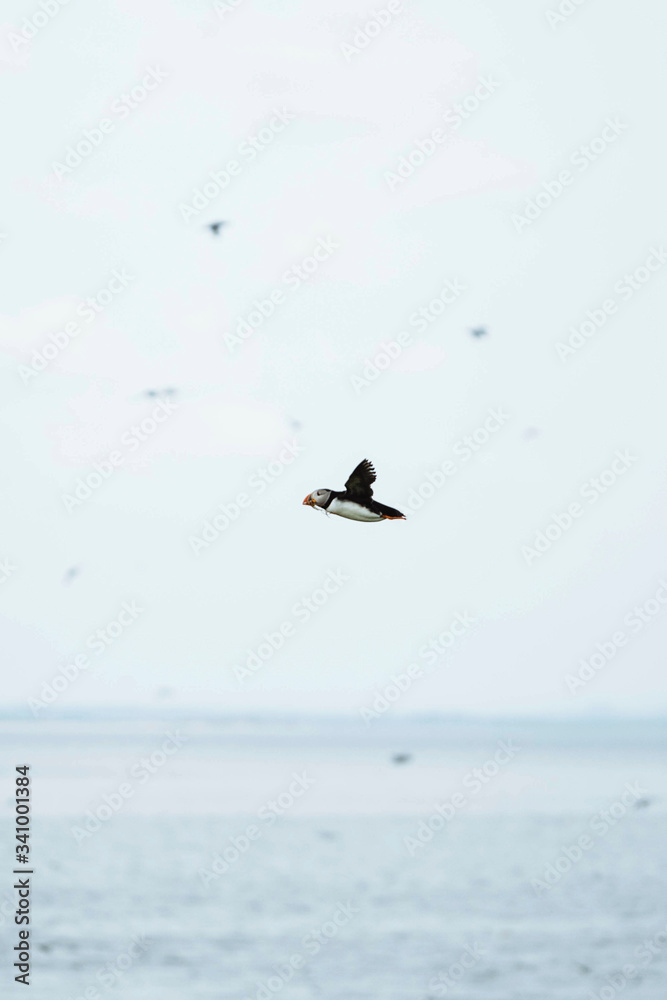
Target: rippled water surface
{"x":300,"y":860}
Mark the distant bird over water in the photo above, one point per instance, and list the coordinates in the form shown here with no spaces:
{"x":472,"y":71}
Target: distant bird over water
{"x":356,"y":500}
{"x":479,"y":331}
{"x":215,"y":227}
{"x":402,"y":758}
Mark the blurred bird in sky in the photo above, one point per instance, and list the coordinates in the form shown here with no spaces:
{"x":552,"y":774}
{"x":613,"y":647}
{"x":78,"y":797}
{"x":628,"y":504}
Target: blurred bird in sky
{"x":530,"y":433}
{"x":160,"y":393}
{"x":71,"y":574}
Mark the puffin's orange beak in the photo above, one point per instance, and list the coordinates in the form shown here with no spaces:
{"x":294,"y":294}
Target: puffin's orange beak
{"x":308,"y":502}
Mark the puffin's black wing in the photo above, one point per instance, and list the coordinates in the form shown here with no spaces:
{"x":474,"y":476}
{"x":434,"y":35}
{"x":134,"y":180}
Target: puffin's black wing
{"x":358,"y":486}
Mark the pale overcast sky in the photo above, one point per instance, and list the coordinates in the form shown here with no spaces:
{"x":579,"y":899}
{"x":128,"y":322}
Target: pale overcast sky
{"x":307,"y":135}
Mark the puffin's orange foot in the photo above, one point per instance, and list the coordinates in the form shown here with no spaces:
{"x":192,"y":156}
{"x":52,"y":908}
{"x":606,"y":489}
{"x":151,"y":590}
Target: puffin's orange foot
{"x":388,"y":518}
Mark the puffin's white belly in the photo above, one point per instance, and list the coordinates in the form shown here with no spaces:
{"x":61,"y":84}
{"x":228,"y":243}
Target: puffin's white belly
{"x":346,"y":508}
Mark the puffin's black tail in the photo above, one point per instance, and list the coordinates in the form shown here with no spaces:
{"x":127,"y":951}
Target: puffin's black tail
{"x":389,"y":512}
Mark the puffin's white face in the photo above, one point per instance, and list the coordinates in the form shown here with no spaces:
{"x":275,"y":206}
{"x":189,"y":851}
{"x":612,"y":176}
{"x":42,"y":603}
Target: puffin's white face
{"x":318,"y":498}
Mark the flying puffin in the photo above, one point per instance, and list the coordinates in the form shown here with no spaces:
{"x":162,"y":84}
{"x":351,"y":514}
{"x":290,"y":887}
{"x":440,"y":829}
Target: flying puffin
{"x":356,"y":500}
